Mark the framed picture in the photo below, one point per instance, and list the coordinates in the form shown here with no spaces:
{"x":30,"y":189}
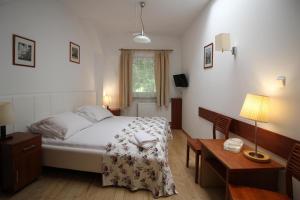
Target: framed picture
{"x":209,"y":56}
{"x":74,"y":53}
{"x":23,"y":51}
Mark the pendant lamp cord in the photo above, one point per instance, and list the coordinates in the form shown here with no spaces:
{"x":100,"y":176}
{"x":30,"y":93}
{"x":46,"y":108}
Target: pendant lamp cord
{"x":141,"y":16}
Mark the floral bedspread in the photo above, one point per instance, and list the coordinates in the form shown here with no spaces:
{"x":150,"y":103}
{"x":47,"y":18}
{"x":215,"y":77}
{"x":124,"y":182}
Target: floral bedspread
{"x":130,"y":166}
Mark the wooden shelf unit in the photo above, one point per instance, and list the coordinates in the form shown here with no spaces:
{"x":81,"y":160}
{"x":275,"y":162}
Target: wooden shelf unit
{"x":176,"y":113}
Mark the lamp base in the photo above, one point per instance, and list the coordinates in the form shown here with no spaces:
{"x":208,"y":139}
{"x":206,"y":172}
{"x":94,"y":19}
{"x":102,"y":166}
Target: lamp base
{"x":7,"y":137}
{"x":3,"y":134}
{"x":256,"y":157}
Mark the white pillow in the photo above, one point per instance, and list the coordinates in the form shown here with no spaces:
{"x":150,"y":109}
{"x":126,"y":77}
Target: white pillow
{"x":60,"y":126}
{"x":94,"y":113}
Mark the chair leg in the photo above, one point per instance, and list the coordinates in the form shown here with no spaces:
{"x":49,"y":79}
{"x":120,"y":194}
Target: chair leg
{"x":197,"y":167}
{"x":187,"y":155}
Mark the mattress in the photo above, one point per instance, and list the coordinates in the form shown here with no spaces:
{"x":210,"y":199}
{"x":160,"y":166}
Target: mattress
{"x":83,"y":151}
{"x":92,"y":138}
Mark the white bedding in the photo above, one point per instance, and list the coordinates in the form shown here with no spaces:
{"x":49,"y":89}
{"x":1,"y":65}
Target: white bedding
{"x":95,"y":137}
{"x":106,"y":144}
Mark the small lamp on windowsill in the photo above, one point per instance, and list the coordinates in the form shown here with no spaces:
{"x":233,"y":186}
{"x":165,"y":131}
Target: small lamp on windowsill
{"x":106,"y":101}
{"x":256,"y":108}
{"x":6,"y":117}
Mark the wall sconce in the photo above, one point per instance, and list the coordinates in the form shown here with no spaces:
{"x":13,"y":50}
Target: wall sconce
{"x":281,"y":81}
{"x":223,"y":43}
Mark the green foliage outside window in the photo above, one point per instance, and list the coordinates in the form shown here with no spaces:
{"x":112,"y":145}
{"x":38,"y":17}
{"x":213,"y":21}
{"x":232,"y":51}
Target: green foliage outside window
{"x":143,"y":80}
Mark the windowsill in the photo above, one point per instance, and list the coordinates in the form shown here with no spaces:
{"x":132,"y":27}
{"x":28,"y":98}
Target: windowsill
{"x":144,"y":95}
{"x":144,"y":98}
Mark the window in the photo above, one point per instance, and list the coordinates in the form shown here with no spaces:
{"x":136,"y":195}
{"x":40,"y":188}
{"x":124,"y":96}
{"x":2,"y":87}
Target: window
{"x":143,"y":79}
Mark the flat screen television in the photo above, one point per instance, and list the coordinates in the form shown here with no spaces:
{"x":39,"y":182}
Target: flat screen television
{"x":180,"y":80}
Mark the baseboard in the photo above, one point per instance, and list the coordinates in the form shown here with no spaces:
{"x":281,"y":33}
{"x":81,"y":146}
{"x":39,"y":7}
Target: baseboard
{"x":186,"y":133}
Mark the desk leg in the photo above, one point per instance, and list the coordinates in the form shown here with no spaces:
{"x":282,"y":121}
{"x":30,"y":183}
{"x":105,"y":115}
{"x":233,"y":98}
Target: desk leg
{"x":197,"y":168}
{"x":187,"y":155}
{"x":227,"y":185}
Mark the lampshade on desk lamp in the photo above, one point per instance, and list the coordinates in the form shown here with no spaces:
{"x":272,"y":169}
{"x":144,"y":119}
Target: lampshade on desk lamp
{"x":256,"y":108}
{"x":6,"y":117}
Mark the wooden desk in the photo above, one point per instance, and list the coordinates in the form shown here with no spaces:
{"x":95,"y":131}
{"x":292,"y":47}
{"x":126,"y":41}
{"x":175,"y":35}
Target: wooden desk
{"x":221,"y":168}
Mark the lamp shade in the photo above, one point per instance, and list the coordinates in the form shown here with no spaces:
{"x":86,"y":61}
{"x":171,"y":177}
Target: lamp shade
{"x":6,"y":113}
{"x":256,"y":107}
{"x":141,"y":38}
{"x":106,"y":100}
{"x":222,"y":41}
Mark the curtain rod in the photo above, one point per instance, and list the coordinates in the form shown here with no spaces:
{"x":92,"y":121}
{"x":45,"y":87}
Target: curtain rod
{"x":148,"y":49}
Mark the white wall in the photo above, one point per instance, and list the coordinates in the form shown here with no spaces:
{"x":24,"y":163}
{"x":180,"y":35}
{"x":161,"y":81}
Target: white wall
{"x":111,"y":45}
{"x":52,"y":27}
{"x":267,"y":44}
{"x":266,"y":34}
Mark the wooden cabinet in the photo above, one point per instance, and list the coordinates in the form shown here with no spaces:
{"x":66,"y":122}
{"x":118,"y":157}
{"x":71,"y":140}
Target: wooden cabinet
{"x":176,"y":113}
{"x":115,"y":111}
{"x":20,"y":160}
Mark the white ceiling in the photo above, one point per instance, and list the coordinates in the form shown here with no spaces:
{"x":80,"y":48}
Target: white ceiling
{"x":164,"y":17}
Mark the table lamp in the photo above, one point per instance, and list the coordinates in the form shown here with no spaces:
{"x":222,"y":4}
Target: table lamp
{"x":256,"y":108}
{"x":106,"y":100}
{"x":6,"y":117}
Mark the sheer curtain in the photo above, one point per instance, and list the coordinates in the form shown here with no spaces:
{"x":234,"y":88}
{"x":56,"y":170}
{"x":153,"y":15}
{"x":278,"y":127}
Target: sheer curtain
{"x":125,"y":93}
{"x":143,"y":68}
{"x":162,"y":77}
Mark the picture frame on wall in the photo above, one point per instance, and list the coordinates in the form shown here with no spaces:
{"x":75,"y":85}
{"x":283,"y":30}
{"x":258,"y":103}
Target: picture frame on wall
{"x":23,"y":51}
{"x":74,"y":53}
{"x":209,"y":56}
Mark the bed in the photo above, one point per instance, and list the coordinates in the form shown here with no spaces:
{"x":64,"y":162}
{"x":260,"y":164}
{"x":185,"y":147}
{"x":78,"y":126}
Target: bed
{"x":106,"y":148}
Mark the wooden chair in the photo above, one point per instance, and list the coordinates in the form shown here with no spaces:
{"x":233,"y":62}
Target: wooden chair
{"x":292,"y":170}
{"x":222,"y":125}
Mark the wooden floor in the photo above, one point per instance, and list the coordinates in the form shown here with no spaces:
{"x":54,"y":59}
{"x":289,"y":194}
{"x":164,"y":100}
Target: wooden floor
{"x":67,"y":184}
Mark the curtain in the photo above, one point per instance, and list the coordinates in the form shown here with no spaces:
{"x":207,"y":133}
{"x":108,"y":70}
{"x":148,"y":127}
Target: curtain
{"x":125,"y":93}
{"x":162,"y":77}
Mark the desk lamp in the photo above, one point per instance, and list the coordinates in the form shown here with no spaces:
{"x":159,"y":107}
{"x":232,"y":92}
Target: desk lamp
{"x":256,"y":108}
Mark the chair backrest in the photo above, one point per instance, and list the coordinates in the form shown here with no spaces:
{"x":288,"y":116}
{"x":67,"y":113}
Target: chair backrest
{"x":293,"y":169}
{"x":222,"y":124}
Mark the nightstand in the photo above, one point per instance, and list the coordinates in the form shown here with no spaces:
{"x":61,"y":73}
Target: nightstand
{"x":115,"y":111}
{"x":21,"y":160}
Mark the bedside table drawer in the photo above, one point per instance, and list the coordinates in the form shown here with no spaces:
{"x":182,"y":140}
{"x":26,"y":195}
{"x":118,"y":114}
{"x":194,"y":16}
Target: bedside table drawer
{"x":27,"y":146}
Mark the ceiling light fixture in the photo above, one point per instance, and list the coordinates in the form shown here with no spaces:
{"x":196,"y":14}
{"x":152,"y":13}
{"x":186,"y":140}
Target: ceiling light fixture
{"x":141,"y":37}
